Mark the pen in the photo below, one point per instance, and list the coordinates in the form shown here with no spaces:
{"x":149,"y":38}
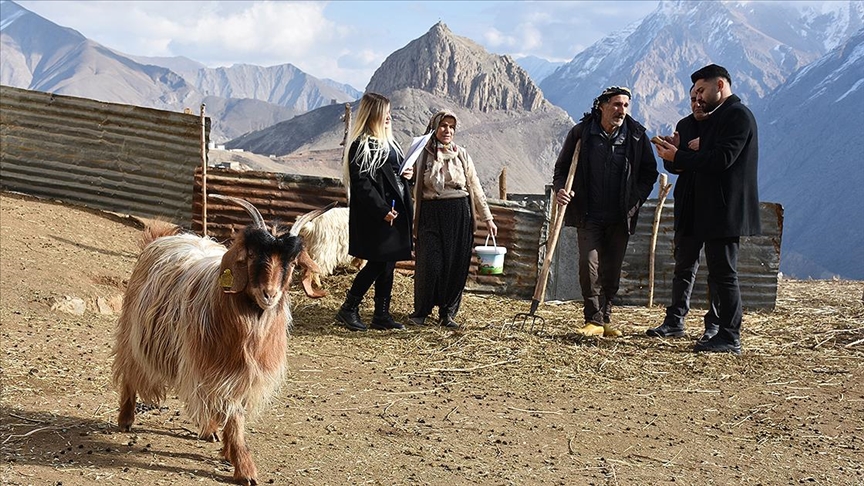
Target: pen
{"x":392,"y":208}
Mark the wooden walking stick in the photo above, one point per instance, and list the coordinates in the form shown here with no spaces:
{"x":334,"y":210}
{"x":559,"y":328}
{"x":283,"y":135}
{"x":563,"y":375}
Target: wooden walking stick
{"x":521,"y":320}
{"x":664,"y":191}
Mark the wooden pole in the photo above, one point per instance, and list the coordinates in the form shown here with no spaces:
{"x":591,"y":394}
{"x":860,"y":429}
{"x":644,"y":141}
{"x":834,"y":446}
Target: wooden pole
{"x":552,"y":240}
{"x":664,"y":191}
{"x":502,"y":184}
{"x":347,"y":119}
{"x":203,"y":171}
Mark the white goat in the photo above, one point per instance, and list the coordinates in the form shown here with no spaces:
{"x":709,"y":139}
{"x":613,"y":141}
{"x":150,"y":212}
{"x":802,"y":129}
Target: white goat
{"x":211,"y":323}
{"x":325,"y":239}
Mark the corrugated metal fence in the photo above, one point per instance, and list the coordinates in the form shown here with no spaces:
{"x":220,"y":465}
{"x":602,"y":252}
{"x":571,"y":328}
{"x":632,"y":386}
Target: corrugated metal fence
{"x":280,"y":196}
{"x":101,"y":155}
{"x":758,"y":263}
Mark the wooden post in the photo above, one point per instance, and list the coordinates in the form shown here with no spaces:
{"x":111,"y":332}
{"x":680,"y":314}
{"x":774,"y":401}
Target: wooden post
{"x":652,"y":250}
{"x":203,"y":171}
{"x":502,"y":184}
{"x":347,"y":119}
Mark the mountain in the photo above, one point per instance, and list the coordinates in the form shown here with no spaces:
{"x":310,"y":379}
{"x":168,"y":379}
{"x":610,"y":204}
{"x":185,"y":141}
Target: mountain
{"x":810,"y":161}
{"x":40,"y":55}
{"x":504,"y":120}
{"x":761,"y":43}
{"x":283,"y":85}
{"x":537,"y":67}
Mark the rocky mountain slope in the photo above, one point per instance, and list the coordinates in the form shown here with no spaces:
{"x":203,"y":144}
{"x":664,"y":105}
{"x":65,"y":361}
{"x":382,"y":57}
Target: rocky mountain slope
{"x":761,"y":43}
{"x":811,"y":162}
{"x":504,"y":120}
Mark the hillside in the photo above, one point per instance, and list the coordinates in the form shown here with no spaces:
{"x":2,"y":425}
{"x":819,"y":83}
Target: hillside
{"x":815,"y":168}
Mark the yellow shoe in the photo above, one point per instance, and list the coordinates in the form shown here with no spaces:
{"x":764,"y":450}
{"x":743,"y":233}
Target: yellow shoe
{"x":591,"y":330}
{"x":609,"y":331}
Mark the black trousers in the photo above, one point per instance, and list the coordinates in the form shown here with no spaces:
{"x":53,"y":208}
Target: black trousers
{"x":721,"y":256}
{"x":445,"y":234}
{"x":601,"y":254}
{"x":687,"y":249}
{"x":379,"y":273}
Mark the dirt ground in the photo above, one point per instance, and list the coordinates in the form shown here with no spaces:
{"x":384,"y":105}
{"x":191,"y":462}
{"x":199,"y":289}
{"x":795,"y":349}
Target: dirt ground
{"x":489,"y":404}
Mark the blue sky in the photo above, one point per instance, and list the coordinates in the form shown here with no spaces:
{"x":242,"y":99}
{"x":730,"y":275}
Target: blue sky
{"x":342,"y":40}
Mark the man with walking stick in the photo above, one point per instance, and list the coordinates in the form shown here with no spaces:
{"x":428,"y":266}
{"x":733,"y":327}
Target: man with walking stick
{"x":615,"y":173}
{"x":725,"y":195}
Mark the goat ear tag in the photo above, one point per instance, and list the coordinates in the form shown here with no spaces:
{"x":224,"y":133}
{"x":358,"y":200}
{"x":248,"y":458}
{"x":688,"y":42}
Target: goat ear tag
{"x":226,"y":280}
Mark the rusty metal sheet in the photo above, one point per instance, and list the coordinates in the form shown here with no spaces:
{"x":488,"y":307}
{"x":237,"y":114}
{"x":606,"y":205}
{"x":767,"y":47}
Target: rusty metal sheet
{"x":280,"y":196}
{"x":106,"y":156}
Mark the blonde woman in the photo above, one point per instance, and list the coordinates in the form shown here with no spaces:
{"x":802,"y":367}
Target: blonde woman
{"x":379,"y":225}
{"x":448,"y":193}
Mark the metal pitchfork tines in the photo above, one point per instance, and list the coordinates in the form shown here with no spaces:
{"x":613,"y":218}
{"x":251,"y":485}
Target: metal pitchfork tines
{"x":522,"y":320}
{"x":529,"y":321}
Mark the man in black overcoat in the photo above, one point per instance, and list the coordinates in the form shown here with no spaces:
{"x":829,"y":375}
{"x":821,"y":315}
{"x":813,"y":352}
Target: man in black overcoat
{"x":725,"y":194}
{"x":687,"y":247}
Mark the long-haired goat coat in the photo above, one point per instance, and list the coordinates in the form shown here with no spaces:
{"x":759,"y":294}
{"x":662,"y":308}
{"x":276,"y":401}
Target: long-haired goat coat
{"x":325,"y":240}
{"x":211,"y":323}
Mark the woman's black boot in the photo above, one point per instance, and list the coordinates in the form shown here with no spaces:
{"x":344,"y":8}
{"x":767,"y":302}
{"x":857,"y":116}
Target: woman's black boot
{"x":349,"y":313}
{"x":382,"y":319}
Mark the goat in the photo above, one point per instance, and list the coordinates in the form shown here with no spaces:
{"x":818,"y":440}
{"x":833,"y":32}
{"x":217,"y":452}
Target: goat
{"x":326,"y":242}
{"x":211,"y":323}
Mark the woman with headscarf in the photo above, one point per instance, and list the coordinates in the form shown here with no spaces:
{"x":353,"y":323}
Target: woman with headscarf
{"x":379,"y":222}
{"x":447,"y":192}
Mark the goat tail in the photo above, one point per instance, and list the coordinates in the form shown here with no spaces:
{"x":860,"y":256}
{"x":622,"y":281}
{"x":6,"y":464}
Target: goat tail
{"x":157,"y":229}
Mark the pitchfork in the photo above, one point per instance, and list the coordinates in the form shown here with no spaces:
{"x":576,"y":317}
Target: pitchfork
{"x":531,"y":319}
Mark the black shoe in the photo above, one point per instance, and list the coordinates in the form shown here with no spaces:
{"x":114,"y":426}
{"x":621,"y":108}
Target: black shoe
{"x":349,"y":313}
{"x":351,"y":320}
{"x":715,"y":345}
{"x":385,"y":323}
{"x":666,"y":331}
{"x":448,"y":321}
{"x":416,"y":321}
{"x":710,"y":332}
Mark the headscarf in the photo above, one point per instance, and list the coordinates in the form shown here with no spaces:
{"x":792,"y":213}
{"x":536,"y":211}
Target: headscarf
{"x":444,"y":154}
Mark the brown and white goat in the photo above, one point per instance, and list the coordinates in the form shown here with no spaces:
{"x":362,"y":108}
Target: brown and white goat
{"x":325,"y":240}
{"x":211,"y":323}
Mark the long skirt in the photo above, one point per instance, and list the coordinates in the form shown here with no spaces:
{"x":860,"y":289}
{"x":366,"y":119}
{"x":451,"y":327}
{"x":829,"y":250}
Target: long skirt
{"x":445,"y":235}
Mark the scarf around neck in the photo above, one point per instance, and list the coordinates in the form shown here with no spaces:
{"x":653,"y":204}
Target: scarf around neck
{"x":445,"y":155}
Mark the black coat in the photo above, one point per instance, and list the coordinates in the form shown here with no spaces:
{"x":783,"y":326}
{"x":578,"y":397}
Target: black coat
{"x":725,"y":191}
{"x":688,"y":129}
{"x":370,"y":237}
{"x":640,"y":173}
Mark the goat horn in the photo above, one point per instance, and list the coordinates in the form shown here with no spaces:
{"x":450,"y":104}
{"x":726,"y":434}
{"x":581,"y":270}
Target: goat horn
{"x":302,"y":220}
{"x":252,"y":210}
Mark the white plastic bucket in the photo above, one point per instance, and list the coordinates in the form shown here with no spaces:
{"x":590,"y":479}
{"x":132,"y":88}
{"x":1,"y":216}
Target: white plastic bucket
{"x":491,"y":258}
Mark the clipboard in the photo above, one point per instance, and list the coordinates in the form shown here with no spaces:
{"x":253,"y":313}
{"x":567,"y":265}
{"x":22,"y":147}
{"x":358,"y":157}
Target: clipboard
{"x":414,"y":151}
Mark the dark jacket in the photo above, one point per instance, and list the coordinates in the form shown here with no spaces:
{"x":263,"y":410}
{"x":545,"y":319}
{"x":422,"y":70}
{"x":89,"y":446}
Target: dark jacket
{"x":638,"y":177}
{"x":688,"y":129}
{"x":726,"y":195}
{"x":369,"y":236}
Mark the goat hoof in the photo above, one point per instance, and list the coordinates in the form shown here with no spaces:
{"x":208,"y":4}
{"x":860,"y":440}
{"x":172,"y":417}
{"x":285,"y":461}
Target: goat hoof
{"x":209,"y":437}
{"x":246,"y":481}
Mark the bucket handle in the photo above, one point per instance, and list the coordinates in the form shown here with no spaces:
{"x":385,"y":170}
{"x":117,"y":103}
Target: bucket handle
{"x":493,"y":240}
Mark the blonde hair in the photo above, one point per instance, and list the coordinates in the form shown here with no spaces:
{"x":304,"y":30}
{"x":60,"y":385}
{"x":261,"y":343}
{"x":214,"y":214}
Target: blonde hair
{"x":374,"y":135}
